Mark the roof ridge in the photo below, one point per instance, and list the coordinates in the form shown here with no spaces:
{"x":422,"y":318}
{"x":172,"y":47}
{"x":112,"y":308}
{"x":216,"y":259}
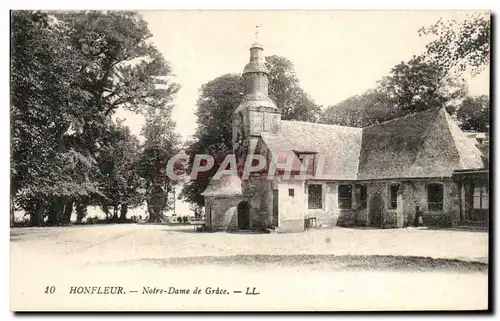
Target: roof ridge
{"x":452,"y":127}
{"x":406,"y":116}
{"x":321,"y":124}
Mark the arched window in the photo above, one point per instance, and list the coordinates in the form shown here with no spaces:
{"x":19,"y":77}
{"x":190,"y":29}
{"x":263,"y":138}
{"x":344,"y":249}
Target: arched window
{"x":435,"y":197}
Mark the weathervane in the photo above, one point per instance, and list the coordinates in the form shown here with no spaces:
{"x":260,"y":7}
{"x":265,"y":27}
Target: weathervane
{"x":257,"y":32}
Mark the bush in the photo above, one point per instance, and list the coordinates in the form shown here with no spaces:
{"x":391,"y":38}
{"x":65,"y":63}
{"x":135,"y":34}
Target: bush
{"x":92,"y":220}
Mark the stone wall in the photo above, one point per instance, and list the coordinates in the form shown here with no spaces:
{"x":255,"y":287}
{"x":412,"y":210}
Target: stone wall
{"x":222,"y":212}
{"x":259,"y":192}
{"x":330,"y":214}
{"x":409,"y":193}
{"x":294,"y":209}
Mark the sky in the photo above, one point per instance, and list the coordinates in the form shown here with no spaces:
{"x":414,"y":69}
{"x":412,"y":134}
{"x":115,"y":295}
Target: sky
{"x":336,"y":54}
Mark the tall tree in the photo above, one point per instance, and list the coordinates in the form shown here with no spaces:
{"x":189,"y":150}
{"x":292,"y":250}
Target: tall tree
{"x":161,"y":144}
{"x":412,"y":86}
{"x":425,"y":81}
{"x":420,"y":84}
{"x":121,"y":183}
{"x":363,"y":110}
{"x":45,"y":99}
{"x":285,"y":91}
{"x":474,"y":113}
{"x":460,"y":44}
{"x":70,"y":73}
{"x":216,"y":103}
{"x":215,"y":106}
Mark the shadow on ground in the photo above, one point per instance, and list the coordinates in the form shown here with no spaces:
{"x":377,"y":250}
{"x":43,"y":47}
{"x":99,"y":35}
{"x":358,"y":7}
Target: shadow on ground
{"x":242,"y":232}
{"x":325,"y":262}
{"x":429,"y":228}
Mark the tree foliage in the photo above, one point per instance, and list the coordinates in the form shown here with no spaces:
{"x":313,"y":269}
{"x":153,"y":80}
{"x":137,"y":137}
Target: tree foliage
{"x":215,"y":106}
{"x":420,"y":84}
{"x":121,"y":184}
{"x":161,"y":144}
{"x":216,"y":103}
{"x":425,"y":81}
{"x":410,"y":87}
{"x":460,"y":44}
{"x":363,"y":110}
{"x":70,"y":72}
{"x":474,"y":113}
{"x":285,"y":91}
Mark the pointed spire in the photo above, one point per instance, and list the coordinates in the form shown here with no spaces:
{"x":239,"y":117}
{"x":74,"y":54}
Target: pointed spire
{"x":257,"y":63}
{"x":256,"y":77}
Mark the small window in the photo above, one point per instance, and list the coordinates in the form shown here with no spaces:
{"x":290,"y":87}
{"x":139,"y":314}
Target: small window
{"x":345,"y":196}
{"x":394,"y":196}
{"x":480,"y":198}
{"x":435,"y":197}
{"x":315,"y":196}
{"x":291,"y":192}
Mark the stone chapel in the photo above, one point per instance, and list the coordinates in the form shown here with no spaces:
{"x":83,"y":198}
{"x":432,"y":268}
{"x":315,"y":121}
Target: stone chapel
{"x":377,"y":176}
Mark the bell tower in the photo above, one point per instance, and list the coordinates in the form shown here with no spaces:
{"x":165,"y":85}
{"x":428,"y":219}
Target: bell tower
{"x":256,"y":113}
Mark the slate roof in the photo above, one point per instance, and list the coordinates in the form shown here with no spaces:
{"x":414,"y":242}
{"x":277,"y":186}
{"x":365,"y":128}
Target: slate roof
{"x":227,"y":185}
{"x":425,"y":144}
{"x":339,"y":145}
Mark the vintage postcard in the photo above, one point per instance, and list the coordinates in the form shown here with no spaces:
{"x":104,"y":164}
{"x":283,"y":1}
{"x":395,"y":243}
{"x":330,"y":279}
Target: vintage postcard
{"x":249,"y":160}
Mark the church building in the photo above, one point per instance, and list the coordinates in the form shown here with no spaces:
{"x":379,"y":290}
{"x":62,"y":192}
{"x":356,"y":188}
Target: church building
{"x":383,"y":176}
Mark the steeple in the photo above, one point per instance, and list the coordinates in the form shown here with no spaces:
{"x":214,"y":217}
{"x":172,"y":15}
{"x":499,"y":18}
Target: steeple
{"x":256,"y":113}
{"x":256,"y":77}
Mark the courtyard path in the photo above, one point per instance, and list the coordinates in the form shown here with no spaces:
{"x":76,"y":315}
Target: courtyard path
{"x":337,"y":269}
{"x":92,"y":244}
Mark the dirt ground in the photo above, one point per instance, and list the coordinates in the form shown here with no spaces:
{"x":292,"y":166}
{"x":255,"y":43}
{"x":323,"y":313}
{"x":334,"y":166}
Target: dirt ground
{"x":334,"y":269}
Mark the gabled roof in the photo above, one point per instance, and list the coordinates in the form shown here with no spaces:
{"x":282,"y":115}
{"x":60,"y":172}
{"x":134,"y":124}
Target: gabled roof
{"x":424,"y":144}
{"x":339,"y":145}
{"x":227,"y":185}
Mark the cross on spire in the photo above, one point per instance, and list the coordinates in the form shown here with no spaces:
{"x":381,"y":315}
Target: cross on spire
{"x":257,"y":32}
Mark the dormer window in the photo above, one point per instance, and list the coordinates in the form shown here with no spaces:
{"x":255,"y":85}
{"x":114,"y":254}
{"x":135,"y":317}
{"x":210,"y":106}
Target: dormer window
{"x":308,"y":157}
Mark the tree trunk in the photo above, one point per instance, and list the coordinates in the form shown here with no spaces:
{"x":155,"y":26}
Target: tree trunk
{"x":55,"y":212}
{"x":12,"y":210}
{"x":123,"y":212}
{"x":81,"y":211}
{"x":37,"y":216}
{"x":115,"y":212}
{"x":156,"y":204}
{"x":105,"y":209}
{"x":68,"y":210}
